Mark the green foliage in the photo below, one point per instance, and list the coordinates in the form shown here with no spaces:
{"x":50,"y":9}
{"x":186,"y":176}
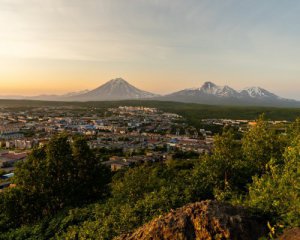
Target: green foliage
{"x":278,"y":191}
{"x":185,"y":155}
{"x":138,"y":195}
{"x":225,"y":171}
{"x":104,"y":153}
{"x":226,"y":153}
{"x":260,"y":144}
{"x":294,"y":130}
{"x":89,"y":176}
{"x":52,"y":178}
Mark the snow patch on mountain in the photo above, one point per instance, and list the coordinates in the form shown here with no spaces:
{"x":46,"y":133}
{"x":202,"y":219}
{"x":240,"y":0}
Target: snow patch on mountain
{"x":257,"y":92}
{"x":209,"y":88}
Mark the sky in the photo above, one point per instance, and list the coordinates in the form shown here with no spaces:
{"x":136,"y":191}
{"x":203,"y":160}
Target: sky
{"x":59,"y":46}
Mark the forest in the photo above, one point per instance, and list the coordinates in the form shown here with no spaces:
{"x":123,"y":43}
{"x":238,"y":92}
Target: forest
{"x":62,"y":191}
{"x":191,"y":111}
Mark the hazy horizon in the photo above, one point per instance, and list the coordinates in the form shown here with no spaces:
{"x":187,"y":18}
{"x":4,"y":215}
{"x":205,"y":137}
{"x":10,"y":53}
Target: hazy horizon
{"x":60,"y":46}
{"x":89,"y":89}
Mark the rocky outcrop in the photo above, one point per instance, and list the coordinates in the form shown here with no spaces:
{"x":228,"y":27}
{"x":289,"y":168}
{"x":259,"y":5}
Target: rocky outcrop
{"x":291,"y":234}
{"x":205,"y":220}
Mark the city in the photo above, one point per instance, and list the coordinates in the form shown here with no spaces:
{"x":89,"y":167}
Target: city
{"x":122,"y":137}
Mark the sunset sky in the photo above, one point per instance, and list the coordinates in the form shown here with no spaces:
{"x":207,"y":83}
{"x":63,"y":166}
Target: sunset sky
{"x":58,"y":46}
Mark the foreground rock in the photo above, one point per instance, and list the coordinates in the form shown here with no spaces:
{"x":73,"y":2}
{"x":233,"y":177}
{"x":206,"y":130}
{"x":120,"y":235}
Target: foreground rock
{"x":203,"y":220}
{"x":291,"y":234}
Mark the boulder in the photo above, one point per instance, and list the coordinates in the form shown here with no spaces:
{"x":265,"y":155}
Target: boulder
{"x":207,"y":220}
{"x":291,"y":234}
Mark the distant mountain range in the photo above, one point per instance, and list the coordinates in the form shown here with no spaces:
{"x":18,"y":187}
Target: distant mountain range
{"x":208,"y":93}
{"x":46,"y":97}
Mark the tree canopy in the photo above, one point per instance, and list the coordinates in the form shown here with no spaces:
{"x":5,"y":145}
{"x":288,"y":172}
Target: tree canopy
{"x":64,"y":173}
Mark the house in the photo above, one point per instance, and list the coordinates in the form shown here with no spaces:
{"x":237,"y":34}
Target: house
{"x":116,"y":165}
{"x":7,"y":176}
{"x":4,"y":185}
{"x":8,"y":159}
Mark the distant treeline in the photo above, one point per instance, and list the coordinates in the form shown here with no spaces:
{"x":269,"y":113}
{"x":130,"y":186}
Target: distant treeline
{"x":192,"y":112}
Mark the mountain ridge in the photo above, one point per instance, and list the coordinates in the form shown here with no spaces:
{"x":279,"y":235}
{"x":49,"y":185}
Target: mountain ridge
{"x":208,"y":93}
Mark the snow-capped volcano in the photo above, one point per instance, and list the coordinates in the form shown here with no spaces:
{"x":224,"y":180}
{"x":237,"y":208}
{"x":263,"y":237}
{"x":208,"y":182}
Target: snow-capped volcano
{"x":210,"y":93}
{"x":211,"y":89}
{"x":115,"y":89}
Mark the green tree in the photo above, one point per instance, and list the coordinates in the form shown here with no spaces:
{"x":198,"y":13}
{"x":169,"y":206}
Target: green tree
{"x":226,"y":153}
{"x":278,"y":191}
{"x":59,"y":166}
{"x":89,"y":176}
{"x":294,"y":130}
{"x":260,"y":144}
{"x":54,"y":177}
{"x":224,"y":172}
